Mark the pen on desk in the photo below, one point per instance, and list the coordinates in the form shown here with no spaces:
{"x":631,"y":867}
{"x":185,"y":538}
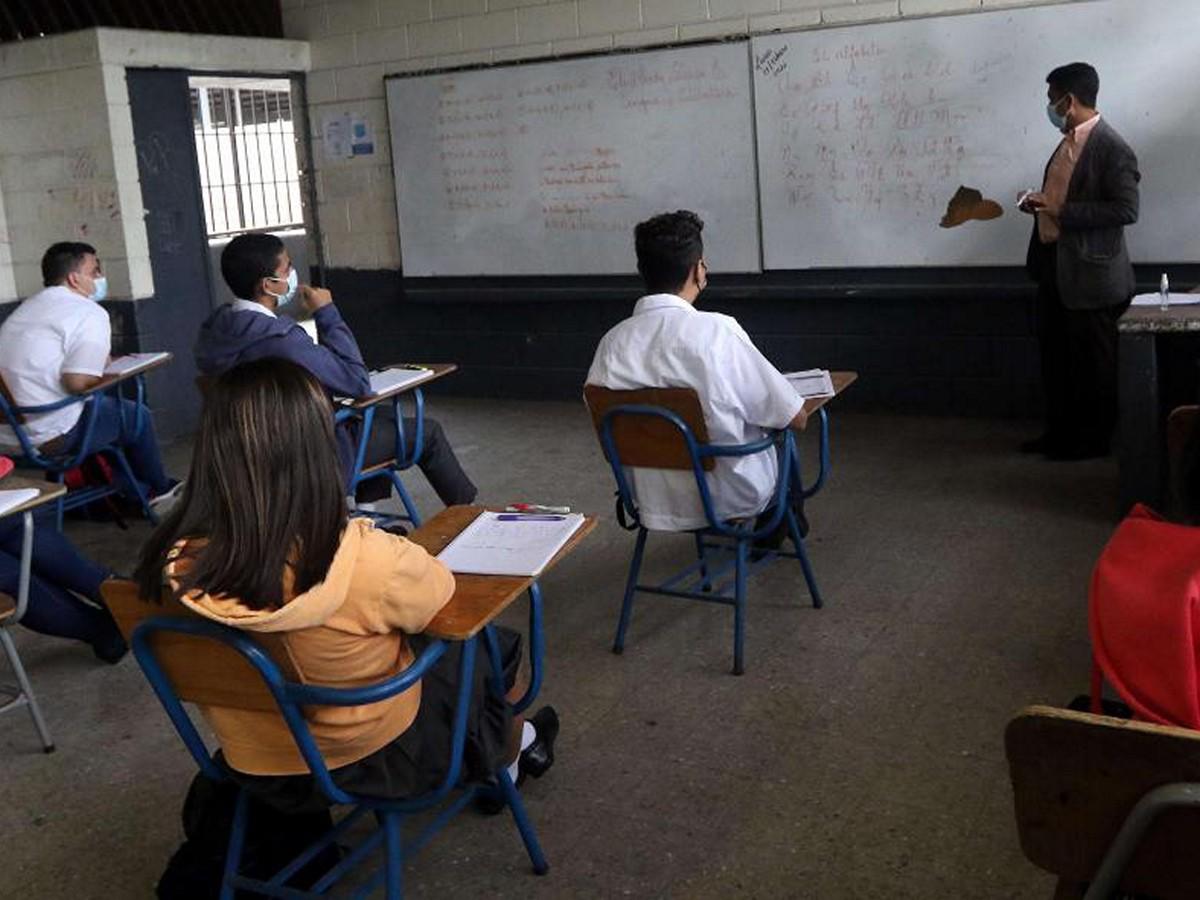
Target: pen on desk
{"x":526,"y":517}
{"x":535,"y":508}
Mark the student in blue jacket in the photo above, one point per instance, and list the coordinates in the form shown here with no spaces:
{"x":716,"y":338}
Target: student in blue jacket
{"x":259,"y":272}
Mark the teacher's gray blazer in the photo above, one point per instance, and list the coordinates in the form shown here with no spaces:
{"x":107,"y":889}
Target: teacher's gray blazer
{"x":1092,"y":265}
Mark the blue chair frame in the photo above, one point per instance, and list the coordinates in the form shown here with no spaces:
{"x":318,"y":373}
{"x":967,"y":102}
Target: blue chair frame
{"x":56,"y":465}
{"x":733,"y":539}
{"x":401,"y":458}
{"x":390,"y":815}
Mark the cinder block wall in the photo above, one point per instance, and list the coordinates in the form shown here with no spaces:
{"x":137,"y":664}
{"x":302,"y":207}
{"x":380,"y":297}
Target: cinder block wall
{"x":356,"y":42}
{"x":57,"y":165}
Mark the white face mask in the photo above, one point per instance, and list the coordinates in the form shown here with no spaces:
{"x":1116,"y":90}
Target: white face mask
{"x":1057,"y":119}
{"x":293,"y":284}
{"x":99,"y":288}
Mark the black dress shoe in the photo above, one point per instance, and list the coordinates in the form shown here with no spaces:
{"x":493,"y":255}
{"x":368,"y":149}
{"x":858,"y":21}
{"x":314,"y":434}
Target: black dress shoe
{"x":538,"y":757}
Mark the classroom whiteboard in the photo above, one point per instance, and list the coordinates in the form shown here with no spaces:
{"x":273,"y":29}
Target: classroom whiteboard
{"x":544,"y":169}
{"x":864,"y":133}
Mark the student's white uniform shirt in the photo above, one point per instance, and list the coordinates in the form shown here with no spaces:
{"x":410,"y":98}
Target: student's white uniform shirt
{"x":52,"y":332}
{"x":669,"y":343}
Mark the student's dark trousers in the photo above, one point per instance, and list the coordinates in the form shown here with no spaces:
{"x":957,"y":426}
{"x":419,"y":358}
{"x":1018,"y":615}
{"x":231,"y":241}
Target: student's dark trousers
{"x":58,"y":572}
{"x":1079,"y":367}
{"x":437,"y":460}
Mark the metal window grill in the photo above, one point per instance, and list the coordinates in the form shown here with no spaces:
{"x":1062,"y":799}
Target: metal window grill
{"x":246,"y":149}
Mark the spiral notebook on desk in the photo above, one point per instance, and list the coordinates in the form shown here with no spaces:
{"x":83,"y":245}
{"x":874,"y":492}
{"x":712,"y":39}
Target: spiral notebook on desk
{"x":509,"y":543}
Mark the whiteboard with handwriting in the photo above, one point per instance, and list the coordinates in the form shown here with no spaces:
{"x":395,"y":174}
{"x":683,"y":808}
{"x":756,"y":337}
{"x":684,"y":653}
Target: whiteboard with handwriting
{"x":864,"y":133}
{"x":544,"y":169}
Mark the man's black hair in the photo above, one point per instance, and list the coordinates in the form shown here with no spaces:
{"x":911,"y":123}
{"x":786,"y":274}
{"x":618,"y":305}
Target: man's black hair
{"x":246,"y":259}
{"x":668,"y":246}
{"x":1079,"y":80}
{"x":62,"y":259}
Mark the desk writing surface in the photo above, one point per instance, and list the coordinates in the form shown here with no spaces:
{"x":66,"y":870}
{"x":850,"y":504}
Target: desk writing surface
{"x":841,"y":381}
{"x":437,"y":370}
{"x":108,"y":381}
{"x":48,"y":491}
{"x":477,"y":598}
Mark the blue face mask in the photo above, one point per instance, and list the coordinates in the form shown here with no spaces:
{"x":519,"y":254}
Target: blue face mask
{"x":293,"y":284}
{"x":1057,"y":119}
{"x":99,"y":289}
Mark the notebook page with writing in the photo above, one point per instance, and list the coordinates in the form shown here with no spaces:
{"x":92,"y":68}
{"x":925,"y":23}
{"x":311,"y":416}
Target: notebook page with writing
{"x":508,"y":544}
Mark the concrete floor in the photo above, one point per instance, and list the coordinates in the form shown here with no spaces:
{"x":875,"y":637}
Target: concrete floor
{"x":860,"y":756}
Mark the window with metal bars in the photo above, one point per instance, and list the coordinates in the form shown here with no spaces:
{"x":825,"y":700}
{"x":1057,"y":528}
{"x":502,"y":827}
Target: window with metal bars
{"x":246,"y":150}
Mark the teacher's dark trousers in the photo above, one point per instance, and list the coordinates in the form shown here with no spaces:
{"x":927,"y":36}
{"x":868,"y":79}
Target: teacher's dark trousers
{"x":1079,"y":368}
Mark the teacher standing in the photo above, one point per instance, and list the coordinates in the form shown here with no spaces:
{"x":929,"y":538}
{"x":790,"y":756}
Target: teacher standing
{"x":1077,"y":256}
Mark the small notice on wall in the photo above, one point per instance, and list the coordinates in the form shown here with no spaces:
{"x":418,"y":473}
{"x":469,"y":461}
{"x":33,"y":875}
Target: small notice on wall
{"x":347,"y":135}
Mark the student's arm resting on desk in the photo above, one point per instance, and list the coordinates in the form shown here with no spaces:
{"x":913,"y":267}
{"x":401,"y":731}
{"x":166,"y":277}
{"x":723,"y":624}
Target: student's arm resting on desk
{"x":335,"y":359}
{"x":765,"y":397}
{"x":413,"y":586}
{"x":86,"y":353}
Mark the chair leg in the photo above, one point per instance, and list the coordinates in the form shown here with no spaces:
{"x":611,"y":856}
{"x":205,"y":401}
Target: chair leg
{"x":237,"y":840}
{"x":10,"y":650}
{"x":524,"y":826}
{"x":739,"y":609}
{"x":798,"y":542}
{"x":393,"y":862}
{"x":127,"y":471}
{"x":635,"y":566}
{"x":409,"y":507}
{"x":705,"y":581}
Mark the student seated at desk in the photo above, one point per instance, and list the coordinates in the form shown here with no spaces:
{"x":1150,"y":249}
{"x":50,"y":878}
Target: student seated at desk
{"x":57,"y":343}
{"x":667,"y":342}
{"x":261,"y":541}
{"x":61,"y":578}
{"x":259,"y":272}
{"x":1144,"y":607}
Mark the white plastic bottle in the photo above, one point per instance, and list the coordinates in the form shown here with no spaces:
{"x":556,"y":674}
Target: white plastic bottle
{"x":1164,"y":293}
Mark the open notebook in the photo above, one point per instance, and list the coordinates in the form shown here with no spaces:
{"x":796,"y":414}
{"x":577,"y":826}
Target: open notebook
{"x":389,"y":379}
{"x":12,"y":498}
{"x":132,"y":361}
{"x":509,"y":543}
{"x":811,"y":382}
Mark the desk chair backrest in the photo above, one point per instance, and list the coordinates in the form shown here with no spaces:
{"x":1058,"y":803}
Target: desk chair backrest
{"x":1075,"y":778}
{"x":188,"y":658}
{"x":663,"y":428}
{"x":200,"y":671}
{"x":9,"y":403}
{"x":649,"y":441}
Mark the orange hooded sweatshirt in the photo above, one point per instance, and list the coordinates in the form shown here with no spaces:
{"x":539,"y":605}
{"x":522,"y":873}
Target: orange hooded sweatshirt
{"x":347,"y":631}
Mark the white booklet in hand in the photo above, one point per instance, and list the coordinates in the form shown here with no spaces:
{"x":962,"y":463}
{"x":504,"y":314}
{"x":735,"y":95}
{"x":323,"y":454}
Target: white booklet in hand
{"x":811,"y":382}
{"x":509,"y":543}
{"x":388,"y":379}
{"x":130,"y":362}
{"x":14,"y":497}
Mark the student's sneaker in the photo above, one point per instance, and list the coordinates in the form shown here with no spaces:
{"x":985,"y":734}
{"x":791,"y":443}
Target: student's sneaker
{"x":163,"y":503}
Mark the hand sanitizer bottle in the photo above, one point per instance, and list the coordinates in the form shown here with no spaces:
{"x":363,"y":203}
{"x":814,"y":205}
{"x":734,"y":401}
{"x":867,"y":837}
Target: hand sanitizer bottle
{"x":1164,"y":293}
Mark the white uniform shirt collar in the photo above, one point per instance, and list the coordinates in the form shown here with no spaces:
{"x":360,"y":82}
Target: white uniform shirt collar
{"x":251,"y":306}
{"x":661,"y":301}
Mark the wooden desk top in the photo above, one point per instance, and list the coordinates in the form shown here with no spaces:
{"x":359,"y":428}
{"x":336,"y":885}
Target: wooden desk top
{"x":436,"y":371}
{"x":477,"y":598}
{"x":108,"y":381}
{"x":841,"y":381}
{"x":48,"y":491}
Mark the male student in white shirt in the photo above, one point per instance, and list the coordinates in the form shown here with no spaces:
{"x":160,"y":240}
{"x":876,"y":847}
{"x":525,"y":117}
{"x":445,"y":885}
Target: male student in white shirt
{"x":56,"y":344}
{"x":667,"y":342}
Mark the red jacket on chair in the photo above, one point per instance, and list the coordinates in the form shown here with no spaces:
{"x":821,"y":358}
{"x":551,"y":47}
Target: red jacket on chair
{"x":1144,"y":617}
